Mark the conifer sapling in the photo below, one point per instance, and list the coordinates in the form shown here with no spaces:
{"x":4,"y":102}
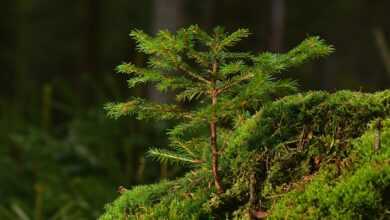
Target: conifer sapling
{"x":214,"y":87}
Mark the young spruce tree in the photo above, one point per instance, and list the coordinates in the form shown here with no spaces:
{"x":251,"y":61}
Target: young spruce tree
{"x":214,"y":87}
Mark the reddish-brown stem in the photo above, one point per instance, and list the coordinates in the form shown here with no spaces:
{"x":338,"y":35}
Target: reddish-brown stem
{"x":213,"y":136}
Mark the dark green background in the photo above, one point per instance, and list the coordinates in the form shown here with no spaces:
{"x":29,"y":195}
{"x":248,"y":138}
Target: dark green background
{"x":60,"y":157}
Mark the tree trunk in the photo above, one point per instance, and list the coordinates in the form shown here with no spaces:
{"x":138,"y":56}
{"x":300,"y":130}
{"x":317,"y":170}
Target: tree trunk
{"x":213,"y":143}
{"x":383,"y":48}
{"x":167,"y":15}
{"x":277,"y":25}
{"x":90,"y":37}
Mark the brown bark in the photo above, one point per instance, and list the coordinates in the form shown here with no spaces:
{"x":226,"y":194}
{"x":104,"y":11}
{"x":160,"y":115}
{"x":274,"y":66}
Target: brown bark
{"x":214,"y":146}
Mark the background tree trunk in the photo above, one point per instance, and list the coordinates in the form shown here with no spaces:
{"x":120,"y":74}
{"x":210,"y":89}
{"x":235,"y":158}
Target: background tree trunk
{"x":90,"y":37}
{"x":168,"y":14}
{"x":277,"y":25}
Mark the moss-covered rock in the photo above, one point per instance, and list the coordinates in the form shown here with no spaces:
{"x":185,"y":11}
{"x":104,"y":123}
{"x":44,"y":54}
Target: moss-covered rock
{"x":311,"y":155}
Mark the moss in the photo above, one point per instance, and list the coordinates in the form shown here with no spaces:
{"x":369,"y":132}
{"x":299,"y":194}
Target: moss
{"x":312,"y":154}
{"x":361,"y":192}
{"x":179,"y":199}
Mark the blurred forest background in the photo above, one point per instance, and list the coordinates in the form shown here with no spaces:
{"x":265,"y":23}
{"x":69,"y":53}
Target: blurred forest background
{"x":62,"y":158}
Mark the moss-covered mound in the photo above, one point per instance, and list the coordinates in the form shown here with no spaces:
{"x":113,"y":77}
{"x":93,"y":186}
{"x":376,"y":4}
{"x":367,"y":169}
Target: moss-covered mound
{"x":308,"y":156}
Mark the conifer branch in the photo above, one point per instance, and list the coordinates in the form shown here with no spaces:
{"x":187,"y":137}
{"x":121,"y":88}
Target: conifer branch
{"x":202,"y":58}
{"x":235,"y":81}
{"x":186,"y":70}
{"x":309,"y":49}
{"x":234,"y":38}
{"x":165,"y":156}
{"x":189,"y":147}
{"x":232,"y":68}
{"x":145,"y":110}
{"x":194,"y":92}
